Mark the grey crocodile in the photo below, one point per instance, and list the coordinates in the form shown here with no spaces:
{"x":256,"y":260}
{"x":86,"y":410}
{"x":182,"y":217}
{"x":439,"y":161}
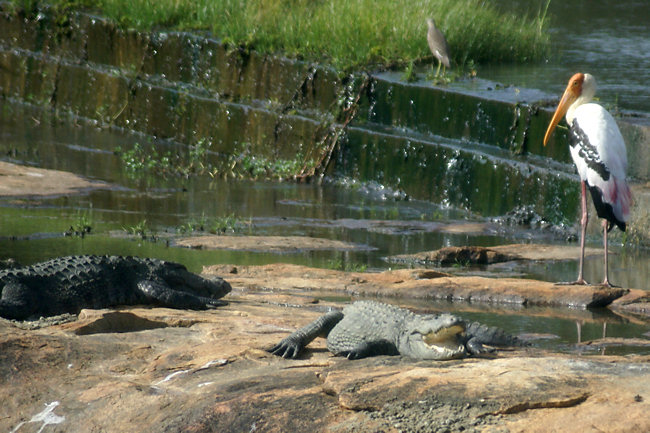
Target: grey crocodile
{"x":68,"y":284}
{"x":369,"y":328}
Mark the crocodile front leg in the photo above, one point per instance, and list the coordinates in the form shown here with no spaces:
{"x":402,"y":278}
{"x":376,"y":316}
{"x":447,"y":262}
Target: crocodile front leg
{"x":16,"y":302}
{"x":370,"y":348}
{"x":291,"y":346}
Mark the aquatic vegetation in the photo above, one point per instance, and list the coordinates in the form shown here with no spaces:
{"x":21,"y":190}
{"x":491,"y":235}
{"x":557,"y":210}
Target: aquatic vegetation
{"x":141,"y":230}
{"x":227,"y":224}
{"x":244,"y":163}
{"x":409,"y":74}
{"x":340,"y":265}
{"x":346,"y":33}
{"x":137,"y":159}
{"x":141,"y":161}
{"x":81,"y":225}
{"x":193,"y":225}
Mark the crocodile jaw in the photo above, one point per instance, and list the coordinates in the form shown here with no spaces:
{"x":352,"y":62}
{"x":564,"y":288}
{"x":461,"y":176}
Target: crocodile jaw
{"x":438,"y":338}
{"x":446,"y":343}
{"x":444,"y":335}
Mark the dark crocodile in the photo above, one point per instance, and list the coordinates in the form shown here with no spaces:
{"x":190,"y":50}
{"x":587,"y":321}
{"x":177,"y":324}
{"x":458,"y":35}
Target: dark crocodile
{"x":368,"y":328}
{"x":68,"y":284}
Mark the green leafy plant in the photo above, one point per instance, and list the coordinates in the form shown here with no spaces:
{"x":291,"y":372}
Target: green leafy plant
{"x":81,"y":225}
{"x":229,"y":224}
{"x":141,"y":230}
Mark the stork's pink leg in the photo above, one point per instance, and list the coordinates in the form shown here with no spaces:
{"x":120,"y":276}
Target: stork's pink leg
{"x":606,"y":280}
{"x":583,"y":231}
{"x":583,"y":222}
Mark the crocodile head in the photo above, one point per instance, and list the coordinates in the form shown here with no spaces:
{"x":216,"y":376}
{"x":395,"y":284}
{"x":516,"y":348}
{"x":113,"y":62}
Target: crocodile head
{"x":179,"y":278}
{"x":439,"y":337}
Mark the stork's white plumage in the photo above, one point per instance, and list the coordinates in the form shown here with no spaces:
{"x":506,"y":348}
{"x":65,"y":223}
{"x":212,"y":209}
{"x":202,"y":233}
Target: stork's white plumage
{"x":598,"y":151}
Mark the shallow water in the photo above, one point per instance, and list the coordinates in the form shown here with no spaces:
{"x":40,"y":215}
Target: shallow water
{"x":608,"y":38}
{"x":31,"y":229}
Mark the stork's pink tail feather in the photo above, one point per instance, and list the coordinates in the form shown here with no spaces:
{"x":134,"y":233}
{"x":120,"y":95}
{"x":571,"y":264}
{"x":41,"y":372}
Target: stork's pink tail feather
{"x":621,"y":199}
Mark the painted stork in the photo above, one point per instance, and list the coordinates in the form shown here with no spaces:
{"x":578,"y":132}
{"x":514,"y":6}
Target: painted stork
{"x":437,"y":45}
{"x":598,"y":151}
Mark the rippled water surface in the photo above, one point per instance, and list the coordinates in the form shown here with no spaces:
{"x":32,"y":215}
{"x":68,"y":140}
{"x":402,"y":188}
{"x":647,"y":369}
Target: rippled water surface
{"x":609,"y":39}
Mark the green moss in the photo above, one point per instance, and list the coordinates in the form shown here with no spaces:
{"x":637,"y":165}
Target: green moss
{"x":345,"y":33}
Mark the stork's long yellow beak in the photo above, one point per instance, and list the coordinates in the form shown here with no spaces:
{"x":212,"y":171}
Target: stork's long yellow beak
{"x":568,"y":98}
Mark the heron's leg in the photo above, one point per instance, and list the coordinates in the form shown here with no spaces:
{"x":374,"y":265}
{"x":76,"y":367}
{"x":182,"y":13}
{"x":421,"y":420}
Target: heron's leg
{"x":438,"y":70}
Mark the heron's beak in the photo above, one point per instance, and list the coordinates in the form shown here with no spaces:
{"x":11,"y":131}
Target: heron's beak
{"x":568,"y":98}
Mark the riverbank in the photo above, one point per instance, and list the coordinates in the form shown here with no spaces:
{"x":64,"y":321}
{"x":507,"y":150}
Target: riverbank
{"x":345,"y":34}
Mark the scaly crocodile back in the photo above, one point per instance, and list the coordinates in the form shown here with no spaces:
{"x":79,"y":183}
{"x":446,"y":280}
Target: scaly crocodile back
{"x":68,"y":284}
{"x":365,"y":321}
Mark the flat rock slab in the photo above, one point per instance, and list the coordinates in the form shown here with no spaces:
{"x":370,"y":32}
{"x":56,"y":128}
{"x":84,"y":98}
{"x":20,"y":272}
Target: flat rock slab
{"x":273,"y":244}
{"x":396,"y":227}
{"x":153,"y":370}
{"x":488,"y":255}
{"x":416,"y":283}
{"x":20,"y":180}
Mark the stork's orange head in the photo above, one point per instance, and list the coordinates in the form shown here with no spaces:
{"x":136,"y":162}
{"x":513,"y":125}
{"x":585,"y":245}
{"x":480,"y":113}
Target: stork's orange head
{"x":571,"y":94}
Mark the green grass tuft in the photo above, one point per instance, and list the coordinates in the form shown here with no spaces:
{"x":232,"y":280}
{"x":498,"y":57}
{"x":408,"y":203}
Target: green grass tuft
{"x":344,"y":33}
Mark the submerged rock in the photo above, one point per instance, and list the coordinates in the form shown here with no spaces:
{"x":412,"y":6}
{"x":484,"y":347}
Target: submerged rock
{"x":527,"y":216}
{"x":475,"y":255}
{"x":20,"y":180}
{"x":456,"y":256}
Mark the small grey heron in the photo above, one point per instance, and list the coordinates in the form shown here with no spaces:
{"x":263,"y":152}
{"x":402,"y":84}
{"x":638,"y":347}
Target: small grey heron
{"x":438,"y":45}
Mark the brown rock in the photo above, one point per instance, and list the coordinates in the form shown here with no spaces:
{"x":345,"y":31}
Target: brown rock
{"x":206,"y":371}
{"x":475,"y":255}
{"x":635,"y":301}
{"x":20,"y":180}
{"x":268,"y":243}
{"x":418,"y":283}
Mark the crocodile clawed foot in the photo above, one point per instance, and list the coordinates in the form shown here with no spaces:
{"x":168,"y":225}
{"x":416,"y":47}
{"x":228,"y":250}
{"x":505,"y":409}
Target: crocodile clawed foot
{"x":211,"y":305}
